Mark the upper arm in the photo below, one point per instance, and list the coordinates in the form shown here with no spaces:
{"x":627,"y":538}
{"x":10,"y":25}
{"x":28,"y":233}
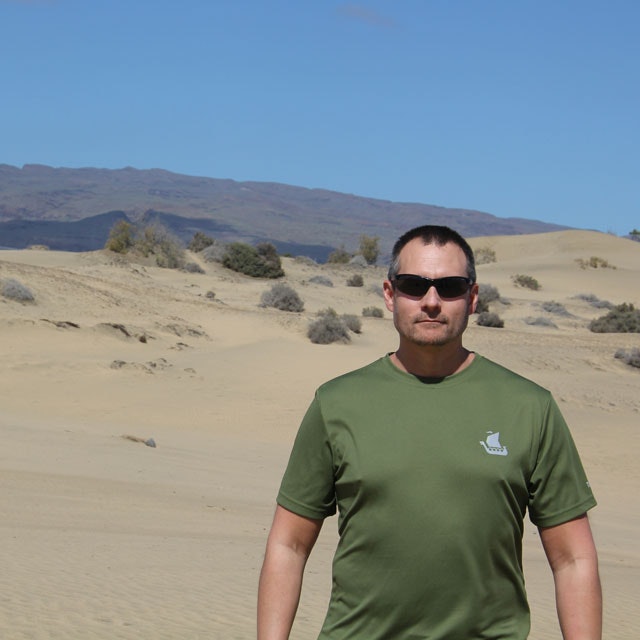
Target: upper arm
{"x":568,"y":542}
{"x":293,"y":531}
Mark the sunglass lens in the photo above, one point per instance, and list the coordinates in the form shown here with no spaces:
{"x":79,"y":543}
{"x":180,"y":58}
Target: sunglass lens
{"x":413,"y":286}
{"x":416,"y":286}
{"x":451,"y":287}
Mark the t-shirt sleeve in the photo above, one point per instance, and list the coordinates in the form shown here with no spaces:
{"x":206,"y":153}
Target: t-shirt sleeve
{"x":559,"y":489}
{"x":307,"y":486}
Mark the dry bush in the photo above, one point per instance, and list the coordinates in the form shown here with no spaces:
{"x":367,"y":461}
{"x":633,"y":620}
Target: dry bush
{"x":327,"y":328}
{"x":528,"y":282}
{"x":624,"y":318}
{"x":541,"y":322}
{"x":167,"y":248}
{"x":200,"y":241}
{"x":373,"y":312}
{"x":321,"y":280}
{"x":358,"y":261}
{"x":369,"y":248}
{"x":261,"y":261}
{"x":282,"y":296}
{"x":356,"y":280}
{"x":339,"y":256}
{"x":489,"y":319}
{"x":353,"y":322}
{"x":594,"y":301}
{"x":594,"y":263}
{"x":14,"y":290}
{"x":193,"y":267}
{"x":629,"y":356}
{"x":121,"y":237}
{"x":214,"y":252}
{"x":487,"y":293}
{"x":555,"y":307}
{"x":484,"y":255}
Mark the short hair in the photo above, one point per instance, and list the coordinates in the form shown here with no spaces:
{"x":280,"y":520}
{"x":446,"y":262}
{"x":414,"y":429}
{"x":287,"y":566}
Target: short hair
{"x":432,"y":234}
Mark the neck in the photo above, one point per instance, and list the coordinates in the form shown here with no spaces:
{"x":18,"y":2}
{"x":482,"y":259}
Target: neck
{"x":432,"y":361}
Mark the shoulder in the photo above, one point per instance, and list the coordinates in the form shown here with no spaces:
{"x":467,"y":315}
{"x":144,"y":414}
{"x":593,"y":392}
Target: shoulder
{"x":361,"y":377}
{"x":493,"y":371}
{"x":499,"y":379}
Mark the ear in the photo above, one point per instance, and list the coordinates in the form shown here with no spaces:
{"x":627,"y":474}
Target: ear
{"x":387,"y":291}
{"x":473,"y":299}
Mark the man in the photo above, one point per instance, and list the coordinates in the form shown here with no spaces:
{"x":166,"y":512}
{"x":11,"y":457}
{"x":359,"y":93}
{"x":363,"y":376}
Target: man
{"x":432,"y":455}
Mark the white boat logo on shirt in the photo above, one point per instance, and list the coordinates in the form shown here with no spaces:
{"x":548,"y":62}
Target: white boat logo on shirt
{"x":492,"y":444}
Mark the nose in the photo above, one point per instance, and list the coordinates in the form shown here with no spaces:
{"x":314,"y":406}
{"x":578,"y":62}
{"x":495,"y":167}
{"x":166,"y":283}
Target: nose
{"x":431,"y":298}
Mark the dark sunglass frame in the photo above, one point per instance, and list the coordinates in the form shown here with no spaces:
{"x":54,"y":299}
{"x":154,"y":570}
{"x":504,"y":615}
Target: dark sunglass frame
{"x":417,"y":286}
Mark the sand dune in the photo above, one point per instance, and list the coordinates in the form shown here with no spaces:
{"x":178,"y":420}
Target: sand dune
{"x":104,"y":537}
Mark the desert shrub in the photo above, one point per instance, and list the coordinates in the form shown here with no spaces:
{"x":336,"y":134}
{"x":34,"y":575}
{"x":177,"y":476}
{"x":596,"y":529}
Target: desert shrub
{"x":358,"y":261}
{"x":489,"y":319}
{"x":484,"y":255}
{"x":487,"y":293}
{"x":329,"y":311}
{"x":528,"y":282}
{"x":261,"y":261}
{"x":243,"y":258}
{"x":210,"y":295}
{"x":355,"y":280}
{"x":353,"y":322}
{"x":555,"y":307}
{"x":156,"y":240}
{"x":214,"y":252}
{"x":594,"y":301}
{"x":321,"y":280}
{"x":121,"y":237}
{"x":373,"y":312}
{"x":327,"y":328}
{"x":305,"y":260}
{"x":634,"y":234}
{"x":269,"y":254}
{"x":629,"y":356}
{"x":624,"y":318}
{"x":192,"y":267}
{"x":339,"y":256}
{"x":594,"y":263}
{"x":369,"y":248}
{"x":200,"y":241}
{"x":282,"y":296}
{"x":541,"y":322}
{"x":14,"y":290}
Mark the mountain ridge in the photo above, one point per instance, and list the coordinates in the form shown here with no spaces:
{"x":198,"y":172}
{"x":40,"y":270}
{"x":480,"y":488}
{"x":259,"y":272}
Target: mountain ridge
{"x":248,"y":211}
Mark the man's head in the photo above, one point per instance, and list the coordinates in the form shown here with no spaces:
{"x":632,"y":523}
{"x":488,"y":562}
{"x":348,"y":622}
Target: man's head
{"x":431,"y":289}
{"x":432,"y":234}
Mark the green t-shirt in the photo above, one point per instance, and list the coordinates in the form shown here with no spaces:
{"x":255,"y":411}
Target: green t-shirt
{"x":432,"y":481}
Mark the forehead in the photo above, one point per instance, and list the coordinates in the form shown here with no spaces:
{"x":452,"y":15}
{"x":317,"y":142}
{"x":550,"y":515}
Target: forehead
{"x":432,"y":260}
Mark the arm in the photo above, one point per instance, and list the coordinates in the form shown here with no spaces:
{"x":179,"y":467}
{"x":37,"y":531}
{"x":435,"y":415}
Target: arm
{"x":289,"y":544}
{"x":573,"y":560}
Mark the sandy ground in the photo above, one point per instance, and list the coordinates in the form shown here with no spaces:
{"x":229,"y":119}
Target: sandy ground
{"x":104,"y":537}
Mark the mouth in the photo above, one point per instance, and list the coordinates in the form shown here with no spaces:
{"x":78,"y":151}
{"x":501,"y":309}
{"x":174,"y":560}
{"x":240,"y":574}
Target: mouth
{"x":430,"y":321}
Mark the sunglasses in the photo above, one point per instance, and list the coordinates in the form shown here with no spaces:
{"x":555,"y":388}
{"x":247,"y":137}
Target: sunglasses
{"x":417,"y":286}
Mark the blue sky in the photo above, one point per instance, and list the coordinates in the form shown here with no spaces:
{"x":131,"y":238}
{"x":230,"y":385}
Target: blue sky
{"x":515,"y":107}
